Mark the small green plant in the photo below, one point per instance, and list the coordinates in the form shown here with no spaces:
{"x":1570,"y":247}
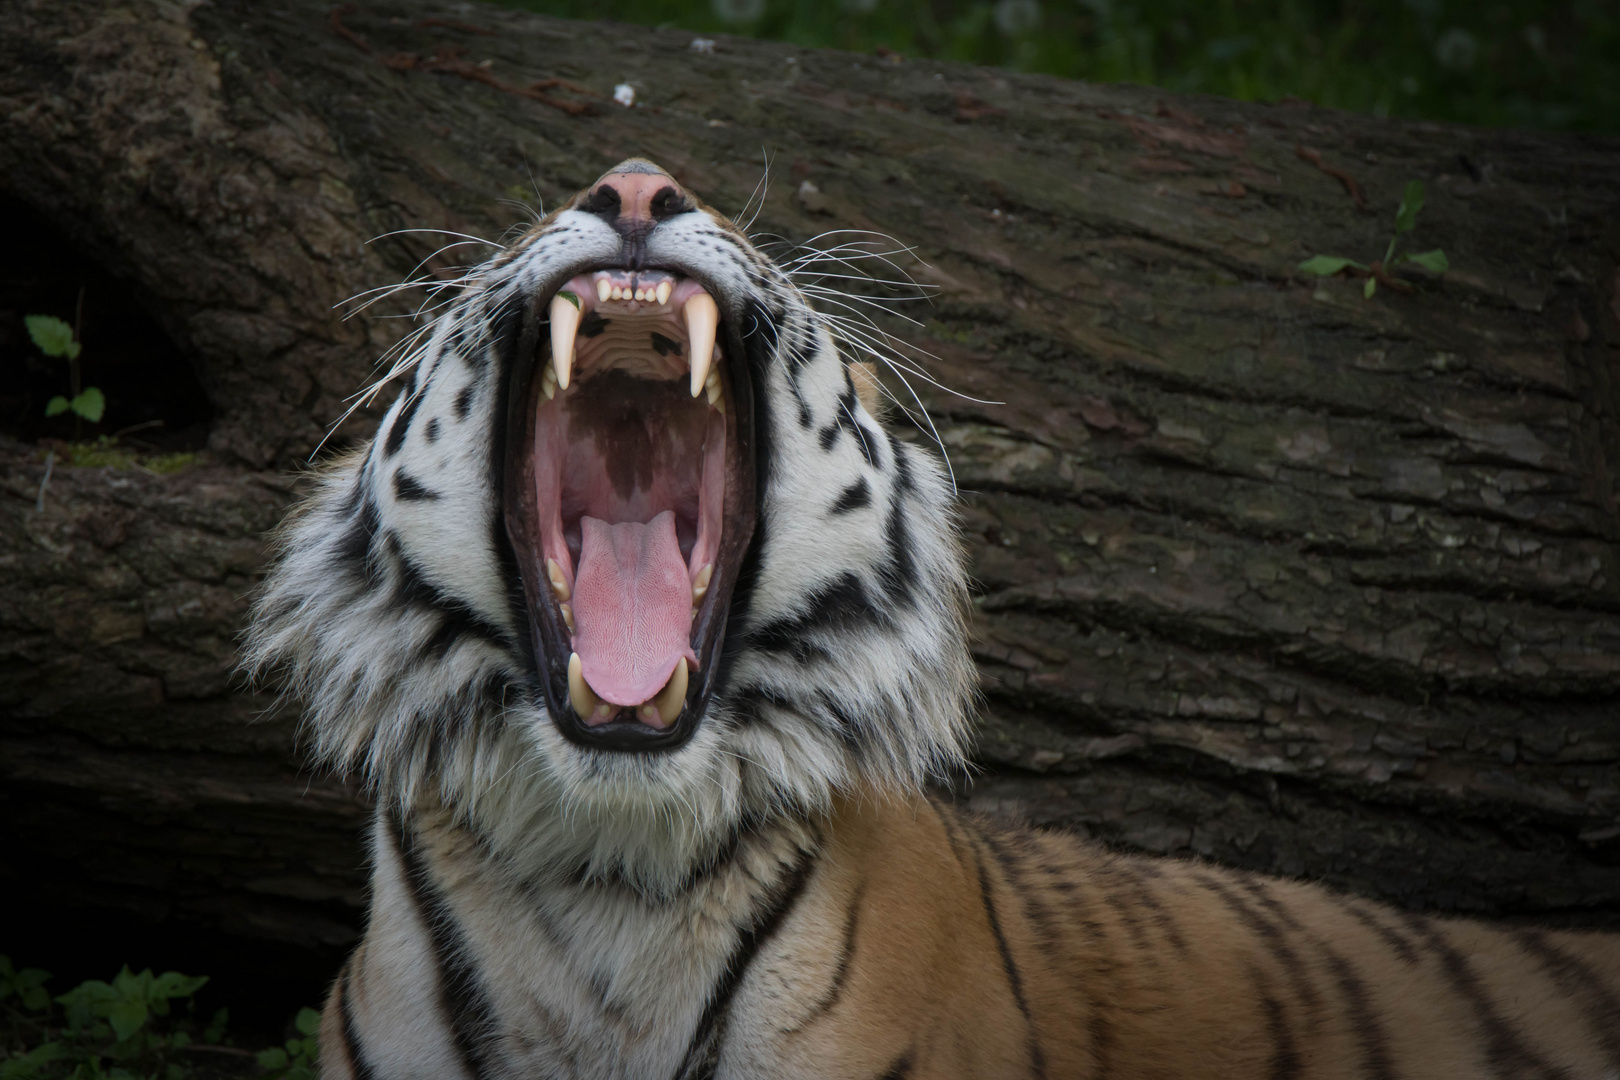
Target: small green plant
{"x":56,"y":338}
{"x":297,"y":1060}
{"x":118,"y":1030}
{"x":1381,"y":271}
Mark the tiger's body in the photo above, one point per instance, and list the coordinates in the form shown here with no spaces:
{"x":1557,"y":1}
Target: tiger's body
{"x":709,"y":853}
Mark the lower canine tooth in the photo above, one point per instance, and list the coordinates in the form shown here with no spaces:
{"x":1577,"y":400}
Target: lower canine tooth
{"x":700,"y":584}
{"x":559,"y":583}
{"x":568,"y":616}
{"x":584,"y":700}
{"x":672,"y":698}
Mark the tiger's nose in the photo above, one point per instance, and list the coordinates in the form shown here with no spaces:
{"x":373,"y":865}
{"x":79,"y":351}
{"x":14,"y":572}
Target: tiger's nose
{"x":634,"y":196}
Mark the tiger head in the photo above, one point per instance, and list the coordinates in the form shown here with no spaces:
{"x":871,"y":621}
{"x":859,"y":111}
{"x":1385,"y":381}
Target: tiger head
{"x":628,"y":568}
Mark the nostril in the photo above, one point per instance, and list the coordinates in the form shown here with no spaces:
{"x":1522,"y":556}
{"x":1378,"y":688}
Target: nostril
{"x":668,"y":202}
{"x":604,"y":202}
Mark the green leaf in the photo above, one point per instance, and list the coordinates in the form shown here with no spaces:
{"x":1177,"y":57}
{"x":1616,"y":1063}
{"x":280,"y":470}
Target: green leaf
{"x":1326,"y":265}
{"x":1411,"y":203}
{"x":215,"y":1030}
{"x":273,"y":1058}
{"x":1433,"y":261}
{"x":126,"y":1018}
{"x":53,"y":336}
{"x":172,"y":984}
{"x":91,"y":405}
{"x":570,"y":297}
{"x":308,"y":1021}
{"x":57,"y":406}
{"x":1368,"y":289}
{"x":179,"y":1040}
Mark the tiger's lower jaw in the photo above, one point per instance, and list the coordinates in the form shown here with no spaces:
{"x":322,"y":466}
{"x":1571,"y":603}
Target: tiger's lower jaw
{"x":629,"y":502}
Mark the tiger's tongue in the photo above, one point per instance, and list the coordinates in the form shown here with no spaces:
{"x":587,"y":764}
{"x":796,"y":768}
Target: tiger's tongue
{"x":632,"y":607}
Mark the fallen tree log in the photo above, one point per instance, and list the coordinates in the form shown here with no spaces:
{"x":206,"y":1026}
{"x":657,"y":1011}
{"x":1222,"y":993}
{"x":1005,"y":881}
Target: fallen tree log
{"x":1266,"y":571}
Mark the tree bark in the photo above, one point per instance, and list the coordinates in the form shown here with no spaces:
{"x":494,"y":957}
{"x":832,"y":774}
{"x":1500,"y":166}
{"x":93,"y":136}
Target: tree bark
{"x":1265,"y":571}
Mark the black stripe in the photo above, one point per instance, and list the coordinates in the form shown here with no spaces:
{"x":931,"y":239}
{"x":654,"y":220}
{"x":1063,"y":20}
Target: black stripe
{"x":840,"y":607}
{"x":900,"y":1069}
{"x":1275,"y":944}
{"x":1285,"y":1061}
{"x":854,"y":497}
{"x":1401,"y":947}
{"x":846,"y":954}
{"x":409,"y":489}
{"x":402,"y":424}
{"x":458,"y":619}
{"x":1581,"y":983}
{"x":359,"y":1066}
{"x":1161,"y":916}
{"x":1015,"y":980}
{"x":1035,"y":912}
{"x":1369,"y":1030}
{"x":354,"y":545}
{"x":461,"y":995}
{"x":431,"y":432}
{"x":1507,"y":1054}
{"x":703,"y":1052}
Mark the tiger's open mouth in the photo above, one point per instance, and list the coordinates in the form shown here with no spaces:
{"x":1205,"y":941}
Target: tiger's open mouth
{"x":630,"y":501}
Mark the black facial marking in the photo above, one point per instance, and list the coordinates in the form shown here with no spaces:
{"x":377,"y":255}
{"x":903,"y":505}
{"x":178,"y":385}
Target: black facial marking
{"x":408,"y":489}
{"x":854,"y":497}
{"x":464,"y":401}
{"x":664,"y":346}
{"x":431,"y":432}
{"x":457,"y":619}
{"x":844,"y":605}
{"x":401,"y":425}
{"x":354,"y":546}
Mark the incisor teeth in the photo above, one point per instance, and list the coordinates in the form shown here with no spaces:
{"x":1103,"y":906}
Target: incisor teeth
{"x":559,"y":582}
{"x":565,"y":316}
{"x":664,"y":289}
{"x":604,"y":289}
{"x":584,"y":700}
{"x":702,"y":319}
{"x":641,"y":294}
{"x":700,"y":584}
{"x":672,"y":698}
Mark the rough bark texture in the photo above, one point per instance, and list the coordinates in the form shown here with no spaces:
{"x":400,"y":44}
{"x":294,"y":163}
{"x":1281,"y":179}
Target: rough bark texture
{"x":1266,"y":572}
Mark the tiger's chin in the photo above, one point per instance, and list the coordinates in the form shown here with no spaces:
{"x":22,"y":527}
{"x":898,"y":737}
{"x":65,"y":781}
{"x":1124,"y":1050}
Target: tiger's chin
{"x":630,"y":502}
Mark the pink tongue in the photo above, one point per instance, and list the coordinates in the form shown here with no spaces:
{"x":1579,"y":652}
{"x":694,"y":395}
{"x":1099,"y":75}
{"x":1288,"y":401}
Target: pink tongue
{"x":632,"y":607}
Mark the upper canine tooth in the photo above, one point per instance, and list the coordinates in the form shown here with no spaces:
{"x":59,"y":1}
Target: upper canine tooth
{"x":663,"y":291}
{"x":672,"y":698}
{"x":702,"y":319}
{"x":565,"y":316}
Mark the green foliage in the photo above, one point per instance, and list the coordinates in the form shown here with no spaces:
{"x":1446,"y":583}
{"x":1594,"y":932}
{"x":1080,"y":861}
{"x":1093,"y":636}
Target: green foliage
{"x":118,"y":1030}
{"x":1405,"y":221}
{"x":53,"y":336}
{"x":1522,"y":63}
{"x":136,"y":1027}
{"x":56,"y":338}
{"x":295,"y":1061}
{"x":88,"y":404}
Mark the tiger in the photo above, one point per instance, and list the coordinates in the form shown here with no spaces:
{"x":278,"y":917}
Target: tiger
{"x":647,"y":630}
